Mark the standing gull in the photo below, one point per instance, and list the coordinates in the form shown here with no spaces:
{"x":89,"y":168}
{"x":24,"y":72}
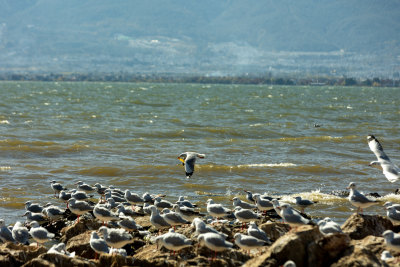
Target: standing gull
{"x":57,"y":187}
{"x":79,"y":208}
{"x":263,"y":204}
{"x":33,"y":207}
{"x":85,"y":187}
{"x":187,"y":213}
{"x":392,"y":240}
{"x":303,"y":203}
{"x":20,"y":233}
{"x":173,"y":241}
{"x":133,"y":198}
{"x":104,"y":214}
{"x":245,"y":215}
{"x":202,"y":228}
{"x":98,"y":244}
{"x":256,"y":232}
{"x":188,"y":160}
{"x":174,"y":218}
{"x":157,"y":220}
{"x":390,"y":170}
{"x":116,"y":238}
{"x":215,"y":242}
{"x":393,"y":215}
{"x":327,"y":226}
{"x":248,"y":243}
{"x":359,"y":200}
{"x":292,"y":217}
{"x":5,"y":233}
{"x":128,"y":223}
{"x":242,"y":204}
{"x":184,"y":202}
{"x":217,"y":210}
{"x":40,"y":234}
{"x":35,"y":216}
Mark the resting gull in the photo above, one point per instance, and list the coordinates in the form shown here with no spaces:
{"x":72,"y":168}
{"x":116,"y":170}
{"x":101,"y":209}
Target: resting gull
{"x":157,"y":220}
{"x":202,"y":228}
{"x":392,"y":240}
{"x":245,"y":215}
{"x":327,"y":226}
{"x":303,"y":203}
{"x":292,"y":217}
{"x":79,"y":208}
{"x":57,"y":187}
{"x":245,"y":205}
{"x":85,"y":187}
{"x":187,"y":213}
{"x":5,"y":233}
{"x":173,"y":241}
{"x":39,"y":234}
{"x":133,"y":198}
{"x":116,"y":238}
{"x":359,"y":200}
{"x":128,"y":223}
{"x":217,"y":210}
{"x":188,"y":160}
{"x":393,"y":215}
{"x":215,"y":242}
{"x":256,"y":232}
{"x":390,"y":170}
{"x":98,"y":244}
{"x":174,"y":218}
{"x":20,"y":233}
{"x":248,"y":243}
{"x":104,"y":214}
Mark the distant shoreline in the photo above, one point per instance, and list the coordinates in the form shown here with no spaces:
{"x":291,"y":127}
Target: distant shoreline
{"x":201,"y":79}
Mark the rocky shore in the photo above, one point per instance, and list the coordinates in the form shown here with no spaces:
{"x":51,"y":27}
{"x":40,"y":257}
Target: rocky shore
{"x":360,"y":244}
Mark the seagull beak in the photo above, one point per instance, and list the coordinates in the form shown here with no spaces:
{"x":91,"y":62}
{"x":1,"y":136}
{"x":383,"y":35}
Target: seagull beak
{"x":182,"y":160}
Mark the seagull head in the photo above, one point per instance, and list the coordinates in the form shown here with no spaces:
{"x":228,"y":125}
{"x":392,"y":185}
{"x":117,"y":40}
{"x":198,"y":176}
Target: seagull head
{"x":352,"y":185}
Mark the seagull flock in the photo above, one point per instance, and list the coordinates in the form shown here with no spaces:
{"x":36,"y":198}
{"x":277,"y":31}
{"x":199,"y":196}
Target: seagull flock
{"x":117,"y":208}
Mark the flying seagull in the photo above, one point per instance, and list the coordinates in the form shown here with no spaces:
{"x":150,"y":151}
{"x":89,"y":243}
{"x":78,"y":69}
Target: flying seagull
{"x":390,"y":170}
{"x":188,"y":160}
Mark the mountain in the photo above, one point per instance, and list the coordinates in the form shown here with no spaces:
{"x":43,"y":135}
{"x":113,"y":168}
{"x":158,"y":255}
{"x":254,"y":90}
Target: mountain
{"x":189,"y":36}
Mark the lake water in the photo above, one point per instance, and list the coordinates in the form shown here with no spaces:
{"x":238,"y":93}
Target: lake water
{"x":260,"y":138}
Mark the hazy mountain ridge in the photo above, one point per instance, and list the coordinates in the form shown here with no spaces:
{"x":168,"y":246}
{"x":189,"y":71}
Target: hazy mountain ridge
{"x":156,"y":35}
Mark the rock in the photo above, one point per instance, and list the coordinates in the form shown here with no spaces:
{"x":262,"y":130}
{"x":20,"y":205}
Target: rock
{"x":275,"y":230}
{"x":59,"y":261}
{"x":364,"y":252}
{"x":80,"y":244}
{"x":115,"y":260}
{"x":16,"y":254}
{"x":78,"y":228}
{"x":359,"y":226}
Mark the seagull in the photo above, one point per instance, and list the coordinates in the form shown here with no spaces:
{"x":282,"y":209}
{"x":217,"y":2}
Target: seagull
{"x":217,"y":210}
{"x":40,"y":234}
{"x":359,"y":200}
{"x":388,"y":204}
{"x":245,"y":215}
{"x":157,"y":220}
{"x":33,"y":207}
{"x":104,"y":214}
{"x":249,"y":196}
{"x":85,"y":187}
{"x":116,"y":238}
{"x":79,"y":207}
{"x":243,"y":204}
{"x":5,"y":233}
{"x":162,"y":203}
{"x":133,"y":198}
{"x":34,"y":216}
{"x":215,"y":242}
{"x":187,"y":213}
{"x":98,"y":244}
{"x":20,"y":233}
{"x":173,"y":241}
{"x":128,"y":223}
{"x":277,"y":208}
{"x":188,"y":160}
{"x":289,"y":263}
{"x":147,"y":197}
{"x":101,"y":190}
{"x":53,"y":212}
{"x":256,"y":232}
{"x":60,"y":249}
{"x":79,"y":195}
{"x":390,"y":170}
{"x":292,"y":217}
{"x":263,"y":204}
{"x":126,"y":212}
{"x":202,"y":228}
{"x":303,"y":203}
{"x":57,"y":187}
{"x":392,"y":240}
{"x":183,"y":202}
{"x":174,"y":218}
{"x":247,"y":242}
{"x":393,"y":215}
{"x":386,"y":256}
{"x":327,"y":226}
{"x":64,"y":196}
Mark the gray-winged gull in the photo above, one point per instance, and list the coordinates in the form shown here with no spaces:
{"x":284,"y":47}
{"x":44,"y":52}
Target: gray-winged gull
{"x":20,"y":233}
{"x":245,"y":205}
{"x":174,"y":218}
{"x":57,"y":187}
{"x":35,"y":216}
{"x":392,"y":240}
{"x":157,"y":220}
{"x":215,"y":242}
{"x":217,"y":210}
{"x":85,"y":187}
{"x":303,"y":203}
{"x":292,"y":217}
{"x":246,"y":215}
{"x":173,"y":241}
{"x":104,"y":214}
{"x":5,"y":233}
{"x":98,"y":244}
{"x":187,"y":213}
{"x":128,"y":223}
{"x":248,"y":243}
{"x":359,"y":200}
{"x":79,"y":208}
{"x":188,"y":160}
{"x":393,"y":215}
{"x":390,"y":170}
{"x":116,"y":238}
{"x":202,"y":228}
{"x":39,"y":234}
{"x":256,"y":232}
{"x":33,"y":207}
{"x":327,"y":226}
{"x":133,"y":198}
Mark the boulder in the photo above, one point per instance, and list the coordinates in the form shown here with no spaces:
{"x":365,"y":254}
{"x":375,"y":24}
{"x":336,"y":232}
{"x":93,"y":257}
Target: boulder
{"x":358,"y":226}
{"x":80,"y":244}
{"x":16,"y":254}
{"x":59,"y":260}
{"x":274,"y":230}
{"x":115,"y":260}
{"x":364,"y":252}
{"x":78,"y":228}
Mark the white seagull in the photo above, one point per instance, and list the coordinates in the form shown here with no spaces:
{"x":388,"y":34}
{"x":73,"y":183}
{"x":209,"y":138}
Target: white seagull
{"x":359,"y":200}
{"x":390,"y":170}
